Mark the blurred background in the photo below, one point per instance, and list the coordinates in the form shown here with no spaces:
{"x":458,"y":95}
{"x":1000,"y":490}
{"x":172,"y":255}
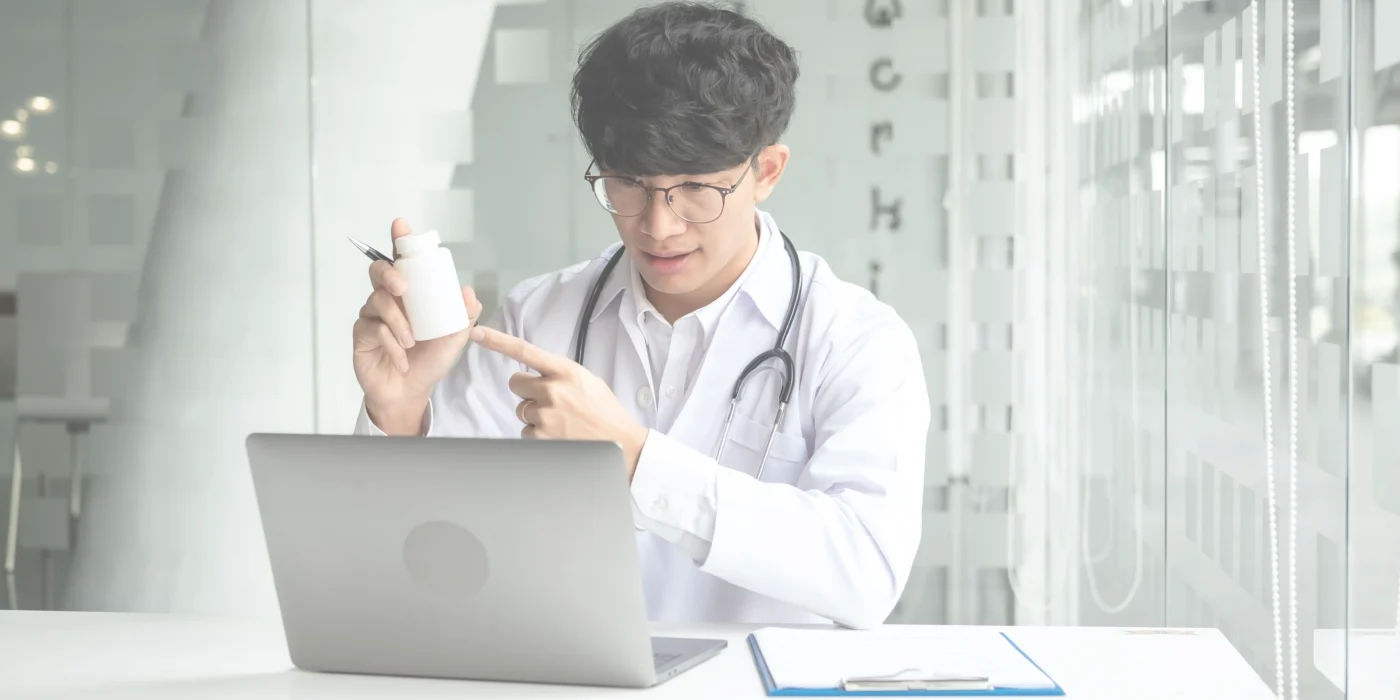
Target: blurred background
{"x":1149,"y":249}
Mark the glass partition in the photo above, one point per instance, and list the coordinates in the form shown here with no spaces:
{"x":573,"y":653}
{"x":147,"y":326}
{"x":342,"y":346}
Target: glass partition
{"x":1359,"y":652}
{"x":1115,"y":248}
{"x":1257,"y":331}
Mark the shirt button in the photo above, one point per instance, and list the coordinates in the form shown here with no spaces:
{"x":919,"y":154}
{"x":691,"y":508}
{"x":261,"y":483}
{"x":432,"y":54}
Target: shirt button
{"x":644,"y":397}
{"x":670,"y":392}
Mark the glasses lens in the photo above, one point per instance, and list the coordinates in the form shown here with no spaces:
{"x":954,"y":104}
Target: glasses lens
{"x":697,"y":204}
{"x":620,"y":195}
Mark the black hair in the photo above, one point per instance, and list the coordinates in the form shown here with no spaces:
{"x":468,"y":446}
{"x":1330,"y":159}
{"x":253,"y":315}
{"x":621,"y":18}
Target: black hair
{"x":682,"y":88}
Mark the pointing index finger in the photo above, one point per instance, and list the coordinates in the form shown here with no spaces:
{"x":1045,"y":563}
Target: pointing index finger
{"x":542,"y":361}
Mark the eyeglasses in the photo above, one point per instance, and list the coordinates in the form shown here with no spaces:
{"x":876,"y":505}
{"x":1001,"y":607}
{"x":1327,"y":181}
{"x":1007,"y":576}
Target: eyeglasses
{"x":695,"y":202}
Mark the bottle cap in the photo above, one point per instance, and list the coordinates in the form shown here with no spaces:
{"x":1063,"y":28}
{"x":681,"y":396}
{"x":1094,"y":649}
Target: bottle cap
{"x":415,"y":243}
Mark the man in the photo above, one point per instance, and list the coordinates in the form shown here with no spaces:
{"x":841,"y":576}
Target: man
{"x":681,"y":107}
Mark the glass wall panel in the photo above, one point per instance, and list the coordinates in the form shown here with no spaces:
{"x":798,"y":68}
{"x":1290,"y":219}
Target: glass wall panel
{"x":1366,"y":657}
{"x":1114,"y":245}
{"x":1258,"y":329}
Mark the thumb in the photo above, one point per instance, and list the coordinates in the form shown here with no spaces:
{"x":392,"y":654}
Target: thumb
{"x":398,"y":229}
{"x":473,"y":304}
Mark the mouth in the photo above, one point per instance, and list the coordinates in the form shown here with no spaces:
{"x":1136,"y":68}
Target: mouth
{"x":667,"y":262}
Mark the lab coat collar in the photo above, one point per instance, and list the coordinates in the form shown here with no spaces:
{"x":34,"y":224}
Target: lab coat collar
{"x":615,"y":283}
{"x":767,"y":281}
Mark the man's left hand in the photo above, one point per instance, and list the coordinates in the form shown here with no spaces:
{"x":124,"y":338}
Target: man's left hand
{"x":564,"y":401}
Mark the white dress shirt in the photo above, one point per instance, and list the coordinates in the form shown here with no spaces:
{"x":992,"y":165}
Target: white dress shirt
{"x":831,"y":531}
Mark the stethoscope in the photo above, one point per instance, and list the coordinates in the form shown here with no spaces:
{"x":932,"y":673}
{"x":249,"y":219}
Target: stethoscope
{"x":784,"y":359}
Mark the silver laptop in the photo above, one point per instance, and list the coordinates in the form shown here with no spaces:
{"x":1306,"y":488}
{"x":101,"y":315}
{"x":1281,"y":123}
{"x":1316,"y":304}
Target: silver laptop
{"x":507,"y":560}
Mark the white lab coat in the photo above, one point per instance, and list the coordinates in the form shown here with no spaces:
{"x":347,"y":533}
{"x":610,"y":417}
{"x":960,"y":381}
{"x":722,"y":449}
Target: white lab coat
{"x":831,"y":531}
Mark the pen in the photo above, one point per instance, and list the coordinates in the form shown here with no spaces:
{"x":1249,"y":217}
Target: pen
{"x":370,"y":252}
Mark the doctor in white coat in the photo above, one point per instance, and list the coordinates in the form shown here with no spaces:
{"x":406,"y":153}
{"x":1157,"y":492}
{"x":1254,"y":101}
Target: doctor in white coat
{"x":681,"y":107}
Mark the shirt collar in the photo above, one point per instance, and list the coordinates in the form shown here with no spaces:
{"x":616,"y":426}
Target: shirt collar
{"x":641,"y":305}
{"x":766,"y":281}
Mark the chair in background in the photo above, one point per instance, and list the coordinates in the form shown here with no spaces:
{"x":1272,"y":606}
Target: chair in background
{"x":9,"y":445}
{"x":56,"y":340}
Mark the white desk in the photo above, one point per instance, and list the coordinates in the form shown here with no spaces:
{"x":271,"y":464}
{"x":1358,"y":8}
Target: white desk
{"x":1360,"y":661}
{"x":53,"y":655}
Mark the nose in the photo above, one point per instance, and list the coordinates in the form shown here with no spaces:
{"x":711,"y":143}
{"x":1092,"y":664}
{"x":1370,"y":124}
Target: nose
{"x":659,"y":221}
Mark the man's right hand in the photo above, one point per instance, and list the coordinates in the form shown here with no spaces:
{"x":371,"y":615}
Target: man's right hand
{"x":397,"y":373}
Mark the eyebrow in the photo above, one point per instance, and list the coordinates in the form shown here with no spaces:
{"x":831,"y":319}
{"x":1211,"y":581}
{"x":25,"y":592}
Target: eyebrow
{"x":689,"y":181}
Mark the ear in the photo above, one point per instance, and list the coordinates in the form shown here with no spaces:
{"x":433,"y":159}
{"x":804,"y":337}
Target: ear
{"x":772,"y":161}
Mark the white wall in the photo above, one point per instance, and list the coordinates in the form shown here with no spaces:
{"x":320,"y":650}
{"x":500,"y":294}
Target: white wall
{"x":223,"y":342}
{"x":247,"y":298}
{"x":392,"y":122}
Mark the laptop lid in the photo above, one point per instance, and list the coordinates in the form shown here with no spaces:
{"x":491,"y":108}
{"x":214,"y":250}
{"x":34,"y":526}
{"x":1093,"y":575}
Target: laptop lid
{"x":485,"y":559}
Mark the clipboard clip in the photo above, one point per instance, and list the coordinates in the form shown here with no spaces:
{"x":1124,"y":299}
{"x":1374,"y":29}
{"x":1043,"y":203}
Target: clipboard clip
{"x":916,"y":679}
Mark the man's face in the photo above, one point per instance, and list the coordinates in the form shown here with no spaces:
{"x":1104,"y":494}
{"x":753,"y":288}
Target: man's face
{"x":678,"y":257}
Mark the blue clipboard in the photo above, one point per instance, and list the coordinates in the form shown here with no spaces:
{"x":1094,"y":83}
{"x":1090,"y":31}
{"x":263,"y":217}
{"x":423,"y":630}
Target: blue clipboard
{"x":773,"y":690}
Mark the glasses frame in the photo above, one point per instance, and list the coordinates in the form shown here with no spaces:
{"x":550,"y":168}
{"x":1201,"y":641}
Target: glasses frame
{"x":724,"y":192}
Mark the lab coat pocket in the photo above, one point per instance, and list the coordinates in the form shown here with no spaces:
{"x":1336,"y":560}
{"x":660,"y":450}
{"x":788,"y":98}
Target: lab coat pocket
{"x":747,"y":441}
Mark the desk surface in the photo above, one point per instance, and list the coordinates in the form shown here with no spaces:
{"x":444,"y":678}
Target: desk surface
{"x":56,"y":655}
{"x":1360,"y":662}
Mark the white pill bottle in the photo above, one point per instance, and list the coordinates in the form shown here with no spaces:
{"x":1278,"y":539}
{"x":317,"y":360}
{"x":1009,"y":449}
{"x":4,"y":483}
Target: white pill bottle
{"x":433,"y":301}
